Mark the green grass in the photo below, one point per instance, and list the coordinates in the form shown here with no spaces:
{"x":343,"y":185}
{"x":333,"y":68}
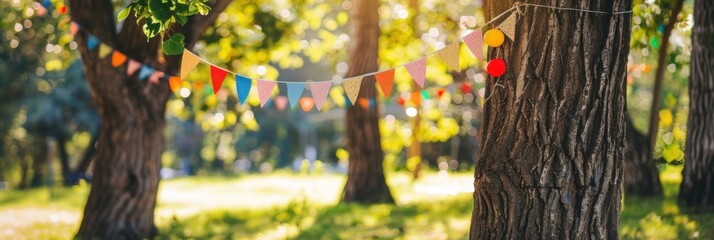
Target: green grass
{"x":284,"y":205}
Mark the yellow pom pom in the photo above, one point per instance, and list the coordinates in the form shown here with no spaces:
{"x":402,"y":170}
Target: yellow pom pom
{"x":493,"y":38}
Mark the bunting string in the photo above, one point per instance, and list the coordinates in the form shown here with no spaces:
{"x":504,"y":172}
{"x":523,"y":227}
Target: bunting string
{"x":475,"y":41}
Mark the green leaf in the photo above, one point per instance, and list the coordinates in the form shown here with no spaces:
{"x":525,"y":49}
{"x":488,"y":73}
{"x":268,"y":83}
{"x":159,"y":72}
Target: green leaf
{"x":174,"y":45}
{"x":151,"y":28}
{"x":160,"y":9}
{"x":123,"y":14}
{"x":182,"y":20}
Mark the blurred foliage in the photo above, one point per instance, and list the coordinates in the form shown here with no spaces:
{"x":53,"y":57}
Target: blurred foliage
{"x":649,"y":19}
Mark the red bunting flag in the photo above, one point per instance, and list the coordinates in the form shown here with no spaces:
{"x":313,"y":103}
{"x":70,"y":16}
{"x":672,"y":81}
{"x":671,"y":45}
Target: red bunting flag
{"x":385,"y":80}
{"x":418,"y":71}
{"x":217,"y":77}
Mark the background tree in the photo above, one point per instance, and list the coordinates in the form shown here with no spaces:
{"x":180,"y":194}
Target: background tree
{"x":123,"y":195}
{"x":553,"y":136}
{"x":365,"y":174}
{"x":641,"y":176}
{"x":697,"y":188}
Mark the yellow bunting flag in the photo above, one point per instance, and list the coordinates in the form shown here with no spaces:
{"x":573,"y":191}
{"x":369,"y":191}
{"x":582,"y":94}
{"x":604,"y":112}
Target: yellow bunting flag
{"x":508,"y":26}
{"x":174,"y":83}
{"x":189,"y":61}
{"x":104,"y":50}
{"x":386,"y":81}
{"x":118,"y":59}
{"x":352,"y":87}
{"x":450,"y":55}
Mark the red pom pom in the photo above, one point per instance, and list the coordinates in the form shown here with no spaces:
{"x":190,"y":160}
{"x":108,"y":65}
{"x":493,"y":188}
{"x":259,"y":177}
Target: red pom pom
{"x":401,"y":101}
{"x":63,"y":9}
{"x":466,"y":88}
{"x":496,"y":67}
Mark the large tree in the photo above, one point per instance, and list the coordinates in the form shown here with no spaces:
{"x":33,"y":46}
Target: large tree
{"x":365,"y":173}
{"x":553,"y":135}
{"x":697,"y":187}
{"x":126,"y":167}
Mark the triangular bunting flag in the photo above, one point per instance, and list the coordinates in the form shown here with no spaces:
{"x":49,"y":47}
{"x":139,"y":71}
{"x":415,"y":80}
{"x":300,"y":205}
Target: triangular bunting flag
{"x":306,"y":103}
{"x":319,"y":92}
{"x":92,"y":42}
{"x":104,"y":50}
{"x":450,"y":55}
{"x":243,"y":85}
{"x":118,"y":59}
{"x":132,"y":67}
{"x":418,"y":70}
{"x":508,"y":26}
{"x":188,"y":63}
{"x":265,"y":88}
{"x":73,"y":28}
{"x":156,"y":77}
{"x":217,"y":77}
{"x":295,"y":92}
{"x":174,"y":83}
{"x":385,"y":80}
{"x":281,"y":102}
{"x":352,"y":87}
{"x":474,"y":41}
{"x":145,"y":72}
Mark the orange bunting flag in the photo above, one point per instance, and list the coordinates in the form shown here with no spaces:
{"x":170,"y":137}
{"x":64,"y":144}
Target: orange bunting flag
{"x":189,"y":61}
{"x":265,"y":89}
{"x":104,"y":50}
{"x":306,"y":103}
{"x":450,"y":55}
{"x":132,"y":67}
{"x":174,"y":83}
{"x":319,"y":92}
{"x":418,"y":71}
{"x":385,"y":80}
{"x":416,"y":98}
{"x":118,"y":59}
{"x":508,"y":26}
{"x":217,"y":77}
{"x":352,"y":87}
{"x":475,"y":43}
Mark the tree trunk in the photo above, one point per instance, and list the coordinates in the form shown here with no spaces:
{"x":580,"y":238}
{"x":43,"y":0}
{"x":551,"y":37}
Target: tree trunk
{"x":40,"y":167}
{"x":641,"y":176}
{"x":365,"y":173}
{"x":697,"y":187}
{"x":553,"y":135}
{"x":126,"y":168}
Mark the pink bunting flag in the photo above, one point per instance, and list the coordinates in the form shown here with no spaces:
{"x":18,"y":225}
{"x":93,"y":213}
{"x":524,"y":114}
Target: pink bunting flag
{"x":265,"y":88}
{"x":319,"y":92}
{"x":155,"y":77}
{"x":217,"y":77}
{"x":132,"y":67}
{"x":474,"y":41}
{"x":418,"y":71}
{"x":73,"y":28}
{"x":281,"y":102}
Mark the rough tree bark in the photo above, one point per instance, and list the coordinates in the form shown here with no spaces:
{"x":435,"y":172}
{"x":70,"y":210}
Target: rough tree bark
{"x":697,"y":189}
{"x":641,"y":174}
{"x":365,"y":173}
{"x":126,"y":167}
{"x":553,"y":135}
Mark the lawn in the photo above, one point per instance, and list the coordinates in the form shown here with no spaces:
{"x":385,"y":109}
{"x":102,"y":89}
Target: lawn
{"x":286,"y":205}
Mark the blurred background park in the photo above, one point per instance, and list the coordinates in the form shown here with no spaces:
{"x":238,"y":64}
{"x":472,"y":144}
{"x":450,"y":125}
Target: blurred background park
{"x":246,"y":172}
